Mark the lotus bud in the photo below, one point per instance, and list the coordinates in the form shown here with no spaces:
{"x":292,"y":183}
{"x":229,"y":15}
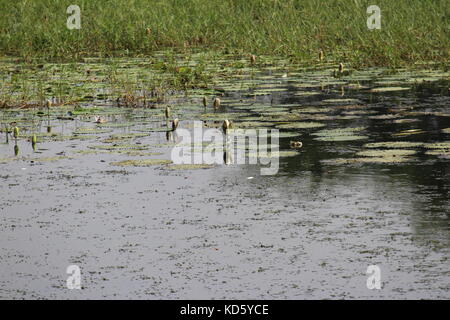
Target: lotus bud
{"x":48,"y":104}
{"x":252,"y":59}
{"x":16,"y":150}
{"x":175,"y":124}
{"x":226,"y":125}
{"x":216,"y":103}
{"x":204,"y":101}
{"x":33,"y":139}
{"x":321,"y":55}
{"x":341,"y":67}
{"x":16,"y":132}
{"x":168,"y":112}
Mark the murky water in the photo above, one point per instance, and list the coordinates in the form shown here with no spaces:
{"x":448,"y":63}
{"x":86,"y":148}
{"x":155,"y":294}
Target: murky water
{"x":337,"y":205}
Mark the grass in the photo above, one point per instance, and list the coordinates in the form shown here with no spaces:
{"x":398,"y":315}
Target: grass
{"x":412,"y":30}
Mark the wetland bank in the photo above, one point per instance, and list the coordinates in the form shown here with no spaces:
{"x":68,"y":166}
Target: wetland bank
{"x":87,"y":176}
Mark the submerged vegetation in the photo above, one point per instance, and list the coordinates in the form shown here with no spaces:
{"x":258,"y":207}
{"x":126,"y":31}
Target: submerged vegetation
{"x":308,"y":30}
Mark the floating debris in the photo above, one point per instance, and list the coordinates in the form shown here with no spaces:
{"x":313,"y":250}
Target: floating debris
{"x":295,"y":144}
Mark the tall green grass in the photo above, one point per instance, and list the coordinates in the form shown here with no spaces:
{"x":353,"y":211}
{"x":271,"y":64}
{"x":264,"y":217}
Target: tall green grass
{"x":412,"y":30}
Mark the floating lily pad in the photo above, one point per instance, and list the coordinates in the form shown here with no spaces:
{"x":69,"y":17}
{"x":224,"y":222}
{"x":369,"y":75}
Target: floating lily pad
{"x":341,"y":138}
{"x":408,"y":132}
{"x":300,"y":125}
{"x":188,"y":166}
{"x":385,"y":153}
{"x":340,"y":134}
{"x":119,"y":147}
{"x":49,"y":159}
{"x":141,"y":163}
{"x":382,"y":160}
{"x":438,"y":145}
{"x":394,"y":144}
{"x":91,"y":131}
{"x":269,"y":154}
{"x":389,"y":89}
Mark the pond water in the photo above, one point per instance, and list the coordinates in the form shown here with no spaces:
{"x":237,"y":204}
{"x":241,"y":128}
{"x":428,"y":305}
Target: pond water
{"x":369,"y":186}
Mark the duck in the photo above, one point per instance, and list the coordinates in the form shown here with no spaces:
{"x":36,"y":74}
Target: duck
{"x":296,"y":144}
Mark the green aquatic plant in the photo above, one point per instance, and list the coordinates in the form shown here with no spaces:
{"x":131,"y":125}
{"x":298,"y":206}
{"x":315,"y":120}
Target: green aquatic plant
{"x":321,"y":55}
{"x":15,"y":132}
{"x":33,"y":142}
